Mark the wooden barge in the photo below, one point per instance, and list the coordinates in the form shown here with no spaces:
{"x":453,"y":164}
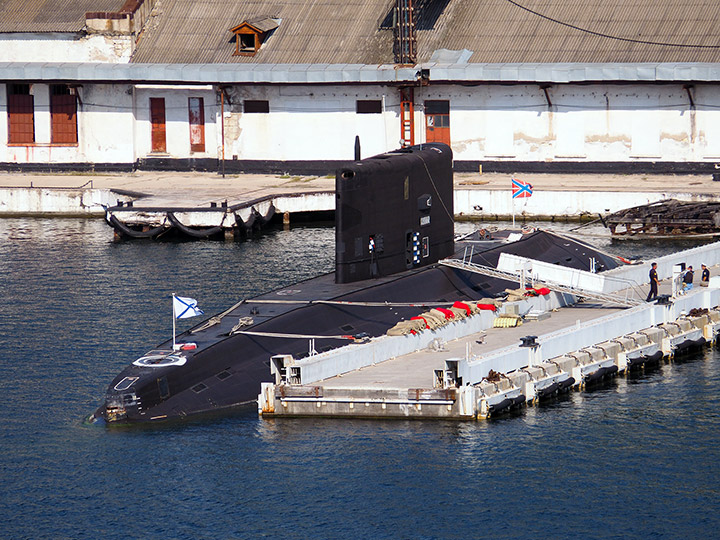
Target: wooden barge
{"x":666,"y":219}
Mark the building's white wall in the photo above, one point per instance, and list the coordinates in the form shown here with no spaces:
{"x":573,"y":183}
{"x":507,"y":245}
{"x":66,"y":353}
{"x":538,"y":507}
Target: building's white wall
{"x":105,"y":121}
{"x":583,"y":123}
{"x":310,"y":123}
{"x":41,"y":102}
{"x":59,"y":47}
{"x":177,"y":122}
{"x":707,"y":99}
{"x":3,"y":122}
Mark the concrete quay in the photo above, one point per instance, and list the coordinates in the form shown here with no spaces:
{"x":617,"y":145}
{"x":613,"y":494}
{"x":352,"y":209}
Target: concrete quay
{"x":473,"y":368}
{"x":477,"y":196}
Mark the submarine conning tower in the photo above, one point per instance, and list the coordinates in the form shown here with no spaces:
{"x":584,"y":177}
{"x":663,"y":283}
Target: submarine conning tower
{"x":394,"y":212}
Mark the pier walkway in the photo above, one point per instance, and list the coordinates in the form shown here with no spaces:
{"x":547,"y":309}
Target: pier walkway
{"x":478,"y":371}
{"x":416,"y":369}
{"x":477,"y":196}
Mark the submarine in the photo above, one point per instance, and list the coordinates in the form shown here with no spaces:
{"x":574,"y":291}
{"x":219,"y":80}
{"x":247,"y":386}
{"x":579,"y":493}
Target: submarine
{"x":394,"y":221}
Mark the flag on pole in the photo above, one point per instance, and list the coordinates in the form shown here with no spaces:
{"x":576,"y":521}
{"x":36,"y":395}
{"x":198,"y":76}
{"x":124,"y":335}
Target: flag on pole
{"x":185,"y":307}
{"x":521,"y":189}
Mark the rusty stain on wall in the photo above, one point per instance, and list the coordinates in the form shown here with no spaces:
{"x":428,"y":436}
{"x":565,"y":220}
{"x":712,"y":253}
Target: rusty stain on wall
{"x":519,"y":136}
{"x":463,"y":145}
{"x":677,"y":137}
{"x":609,"y":139}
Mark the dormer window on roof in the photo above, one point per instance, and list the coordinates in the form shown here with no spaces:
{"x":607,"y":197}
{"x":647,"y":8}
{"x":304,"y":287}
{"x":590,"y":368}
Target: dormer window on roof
{"x":250,"y":35}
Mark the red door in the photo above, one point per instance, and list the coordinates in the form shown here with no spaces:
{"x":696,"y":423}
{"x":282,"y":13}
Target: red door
{"x":157,"y":120}
{"x":437,"y":121}
{"x":63,"y":115}
{"x":20,"y":110}
{"x":196,"y":114}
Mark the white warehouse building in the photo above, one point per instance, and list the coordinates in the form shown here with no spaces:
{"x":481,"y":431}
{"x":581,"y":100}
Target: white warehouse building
{"x":288,"y":86}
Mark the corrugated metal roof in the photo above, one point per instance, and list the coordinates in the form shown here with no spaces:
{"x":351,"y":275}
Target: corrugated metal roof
{"x":50,"y":15}
{"x":578,"y":30}
{"x":357,"y":31}
{"x":311,"y":31}
{"x":497,"y":31}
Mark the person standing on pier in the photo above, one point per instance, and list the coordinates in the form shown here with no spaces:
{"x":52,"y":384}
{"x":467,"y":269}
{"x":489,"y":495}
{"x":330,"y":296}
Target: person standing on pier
{"x":705,"y":277}
{"x":652,"y":295}
{"x":688,"y":279}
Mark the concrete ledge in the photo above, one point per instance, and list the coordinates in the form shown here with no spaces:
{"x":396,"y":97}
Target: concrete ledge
{"x":25,"y":201}
{"x":322,"y":167}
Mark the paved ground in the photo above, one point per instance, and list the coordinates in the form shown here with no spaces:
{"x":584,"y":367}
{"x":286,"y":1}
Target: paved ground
{"x":213,"y":186}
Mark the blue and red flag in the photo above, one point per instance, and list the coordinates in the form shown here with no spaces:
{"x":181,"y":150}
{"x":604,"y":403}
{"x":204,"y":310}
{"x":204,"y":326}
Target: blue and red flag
{"x":521,"y":189}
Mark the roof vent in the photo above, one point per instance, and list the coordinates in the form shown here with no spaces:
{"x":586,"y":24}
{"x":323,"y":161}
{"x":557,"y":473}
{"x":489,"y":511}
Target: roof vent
{"x":250,"y":35}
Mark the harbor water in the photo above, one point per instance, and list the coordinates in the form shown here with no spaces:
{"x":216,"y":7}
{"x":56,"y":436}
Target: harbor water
{"x":636,"y":458}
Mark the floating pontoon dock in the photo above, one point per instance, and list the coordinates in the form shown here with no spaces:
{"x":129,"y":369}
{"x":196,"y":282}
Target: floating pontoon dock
{"x":228,"y":219}
{"x":480,"y":363}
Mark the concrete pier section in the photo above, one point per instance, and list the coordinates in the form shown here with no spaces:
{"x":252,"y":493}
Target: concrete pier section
{"x":477,"y":196}
{"x":482,"y":362}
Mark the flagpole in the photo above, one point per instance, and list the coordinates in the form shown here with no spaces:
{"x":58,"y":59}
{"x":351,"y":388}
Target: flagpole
{"x":513,"y":210}
{"x":173,"y":316}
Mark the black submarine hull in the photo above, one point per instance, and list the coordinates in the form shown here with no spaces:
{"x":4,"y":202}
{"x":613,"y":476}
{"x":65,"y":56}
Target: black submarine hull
{"x":222,"y":362}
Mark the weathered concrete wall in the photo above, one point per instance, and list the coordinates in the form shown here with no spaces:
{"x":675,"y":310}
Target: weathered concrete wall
{"x":58,"y":47}
{"x":67,"y":202}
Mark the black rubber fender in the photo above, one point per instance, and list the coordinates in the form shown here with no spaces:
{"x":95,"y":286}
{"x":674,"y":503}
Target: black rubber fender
{"x":636,"y":363}
{"x":124,"y":229}
{"x":203,"y":233}
{"x":506,"y":404}
{"x":499,"y":407}
{"x":548,"y":390}
{"x":601,"y":374}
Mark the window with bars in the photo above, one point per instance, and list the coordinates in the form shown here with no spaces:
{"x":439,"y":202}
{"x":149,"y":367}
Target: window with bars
{"x":21,"y":114}
{"x":63,"y":114}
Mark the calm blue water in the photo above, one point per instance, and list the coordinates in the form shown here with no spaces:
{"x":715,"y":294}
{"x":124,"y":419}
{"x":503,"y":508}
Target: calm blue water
{"x":638,"y":458}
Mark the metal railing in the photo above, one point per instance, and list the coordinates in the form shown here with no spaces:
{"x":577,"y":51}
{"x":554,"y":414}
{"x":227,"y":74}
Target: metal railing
{"x":625,"y":297}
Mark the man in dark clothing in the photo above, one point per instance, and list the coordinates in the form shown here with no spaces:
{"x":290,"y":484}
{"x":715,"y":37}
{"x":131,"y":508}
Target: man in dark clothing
{"x":705,"y":277}
{"x":688,"y":279}
{"x":652,"y":295}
